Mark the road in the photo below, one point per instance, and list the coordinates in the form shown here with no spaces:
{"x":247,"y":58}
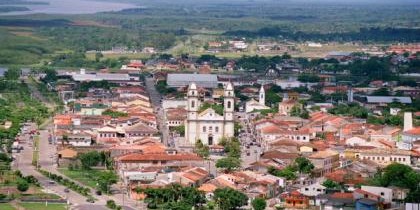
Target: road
{"x":251,"y":150}
{"x":47,"y":161}
{"x":155,"y":98}
{"x":23,"y":162}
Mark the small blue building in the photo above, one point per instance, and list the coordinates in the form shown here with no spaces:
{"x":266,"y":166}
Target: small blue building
{"x":366,"y":204}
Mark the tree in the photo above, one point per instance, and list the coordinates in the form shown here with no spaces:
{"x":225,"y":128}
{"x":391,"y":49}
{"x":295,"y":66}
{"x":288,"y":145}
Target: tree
{"x":259,"y":204}
{"x":22,"y":185}
{"x":98,"y":56}
{"x":228,"y":163}
{"x":105,"y":180}
{"x":114,"y":114}
{"x":50,"y":75}
{"x":308,"y":78}
{"x":399,"y":175}
{"x":287,"y":172}
{"x":271,"y":97}
{"x":304,"y":165}
{"x":202,"y":150}
{"x":232,"y":146}
{"x":329,"y":184}
{"x":12,"y":73}
{"x":173,"y":196}
{"x":90,"y":159}
{"x":180,"y":129}
{"x":227,"y":198}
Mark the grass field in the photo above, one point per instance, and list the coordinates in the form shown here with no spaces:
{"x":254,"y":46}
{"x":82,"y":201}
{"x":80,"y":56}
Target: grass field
{"x":41,"y":206}
{"x":91,"y":56}
{"x":6,"y":206}
{"x":87,"y":178}
{"x":35,"y":154}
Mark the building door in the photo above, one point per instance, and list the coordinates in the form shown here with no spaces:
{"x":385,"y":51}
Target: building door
{"x":210,"y":140}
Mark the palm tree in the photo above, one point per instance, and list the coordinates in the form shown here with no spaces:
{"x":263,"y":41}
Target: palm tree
{"x":65,"y":138}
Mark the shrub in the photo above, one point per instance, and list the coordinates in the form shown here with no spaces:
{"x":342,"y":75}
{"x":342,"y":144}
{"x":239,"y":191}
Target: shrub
{"x":111,"y":204}
{"x":22,"y":185}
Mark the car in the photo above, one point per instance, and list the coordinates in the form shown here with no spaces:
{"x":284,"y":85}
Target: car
{"x":66,"y":190}
{"x":51,"y":182}
{"x":90,"y":200}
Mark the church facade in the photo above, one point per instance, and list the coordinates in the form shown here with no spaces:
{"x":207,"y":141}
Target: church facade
{"x":252,"y":104}
{"x":207,"y":125}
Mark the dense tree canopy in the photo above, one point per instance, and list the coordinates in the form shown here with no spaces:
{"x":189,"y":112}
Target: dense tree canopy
{"x":399,"y":175}
{"x":229,"y":199}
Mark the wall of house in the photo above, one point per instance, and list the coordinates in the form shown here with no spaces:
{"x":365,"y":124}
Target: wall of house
{"x":384,"y":192}
{"x":385,"y":159}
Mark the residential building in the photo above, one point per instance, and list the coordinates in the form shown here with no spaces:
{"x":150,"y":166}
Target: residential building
{"x":324,"y":161}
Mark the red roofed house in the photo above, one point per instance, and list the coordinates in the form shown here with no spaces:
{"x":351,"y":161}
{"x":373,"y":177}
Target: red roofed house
{"x":138,"y":161}
{"x":295,"y":200}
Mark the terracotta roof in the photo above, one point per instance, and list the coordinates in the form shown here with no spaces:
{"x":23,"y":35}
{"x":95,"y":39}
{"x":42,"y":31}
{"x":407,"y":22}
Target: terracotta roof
{"x":272,"y":129}
{"x":285,"y":142}
{"x":323,"y":154}
{"x":176,"y":114}
{"x":161,"y":157}
{"x":195,"y":174}
{"x":208,"y":187}
{"x":279,"y":155}
{"x":366,"y":193}
{"x":342,"y":195}
{"x":414,"y":131}
{"x":67,"y":153}
{"x":390,"y":144}
{"x":140,"y":127}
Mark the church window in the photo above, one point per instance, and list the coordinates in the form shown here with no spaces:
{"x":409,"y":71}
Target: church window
{"x":192,"y":104}
{"x":229,"y":104}
{"x":204,"y":128}
{"x":210,"y":128}
{"x":216,"y":129}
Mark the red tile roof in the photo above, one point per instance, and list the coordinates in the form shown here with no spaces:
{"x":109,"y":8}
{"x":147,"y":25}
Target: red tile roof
{"x":160,"y":157}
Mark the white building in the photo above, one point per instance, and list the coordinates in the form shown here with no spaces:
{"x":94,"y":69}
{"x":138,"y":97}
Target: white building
{"x":207,"y":125}
{"x":410,"y":134}
{"x":313,"y":189}
{"x":252,"y":104}
{"x":385,"y":193}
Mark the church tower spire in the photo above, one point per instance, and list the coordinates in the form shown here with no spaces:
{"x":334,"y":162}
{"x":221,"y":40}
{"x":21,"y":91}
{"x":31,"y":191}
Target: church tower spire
{"x":261,"y":99}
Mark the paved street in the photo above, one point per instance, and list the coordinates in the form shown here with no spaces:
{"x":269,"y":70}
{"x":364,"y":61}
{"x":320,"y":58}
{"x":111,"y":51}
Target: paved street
{"x":23,"y":162}
{"x":155,"y":98}
{"x":47,"y":155}
{"x":251,"y":150}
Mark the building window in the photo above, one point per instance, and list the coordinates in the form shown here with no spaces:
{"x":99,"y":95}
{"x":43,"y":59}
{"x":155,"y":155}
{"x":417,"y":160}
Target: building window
{"x":192,"y":104}
{"x":204,"y":128}
{"x":229,"y":104}
{"x":382,"y":193}
{"x":216,"y":129}
{"x":210,"y":128}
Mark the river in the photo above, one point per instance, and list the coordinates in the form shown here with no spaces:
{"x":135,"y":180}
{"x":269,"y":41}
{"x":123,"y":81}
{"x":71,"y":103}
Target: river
{"x":71,"y":7}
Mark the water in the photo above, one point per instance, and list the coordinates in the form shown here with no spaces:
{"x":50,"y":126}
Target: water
{"x":72,"y":7}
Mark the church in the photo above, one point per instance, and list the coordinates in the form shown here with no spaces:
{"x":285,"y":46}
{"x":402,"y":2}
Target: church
{"x":252,"y":104}
{"x":207,"y":125}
